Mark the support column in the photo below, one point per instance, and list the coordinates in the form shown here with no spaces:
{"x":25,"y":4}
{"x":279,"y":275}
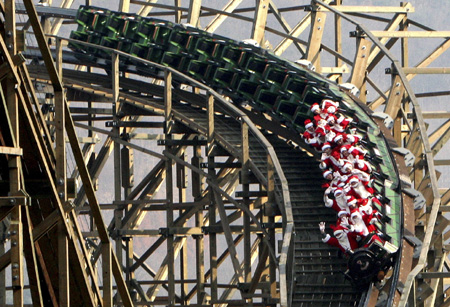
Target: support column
{"x":259,"y":24}
{"x":199,"y":240}
{"x":315,"y":36}
{"x":338,"y":39}
{"x":107,"y":275}
{"x":169,"y":188}
{"x":246,"y":189}
{"x":14,"y":162}
{"x":181,"y":185}
{"x":118,"y":213}
{"x":212,"y":204}
{"x":360,"y":64}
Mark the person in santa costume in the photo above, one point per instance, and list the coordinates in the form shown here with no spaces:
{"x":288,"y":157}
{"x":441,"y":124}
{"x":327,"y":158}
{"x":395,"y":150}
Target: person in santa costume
{"x":329,"y":106}
{"x":331,"y":156}
{"x":347,"y":171}
{"x":346,"y":139}
{"x":359,"y":225}
{"x":319,"y":116}
{"x":310,"y":134}
{"x":339,"y":203}
{"x":343,"y":239}
{"x":362,"y":165}
{"x":351,"y":153}
{"x":333,"y":182}
{"x":358,"y":189}
{"x":344,"y":121}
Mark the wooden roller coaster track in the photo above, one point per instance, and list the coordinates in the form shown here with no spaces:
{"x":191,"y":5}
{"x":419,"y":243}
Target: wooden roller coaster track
{"x":131,"y":182}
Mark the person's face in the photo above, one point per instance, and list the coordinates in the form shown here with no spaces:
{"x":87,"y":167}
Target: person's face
{"x":354,"y":184}
{"x":329,"y":177}
{"x":327,"y":150}
{"x":345,"y":153}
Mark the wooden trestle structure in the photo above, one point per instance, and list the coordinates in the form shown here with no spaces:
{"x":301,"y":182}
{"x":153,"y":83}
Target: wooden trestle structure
{"x":126,"y":190}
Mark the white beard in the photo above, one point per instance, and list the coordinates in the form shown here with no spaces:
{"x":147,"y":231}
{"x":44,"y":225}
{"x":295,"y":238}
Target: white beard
{"x":361,"y":191}
{"x":342,"y":203}
{"x":359,"y":225}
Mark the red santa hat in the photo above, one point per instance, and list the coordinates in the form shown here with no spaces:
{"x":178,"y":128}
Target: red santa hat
{"x":326,"y":173}
{"x":308,"y":123}
{"x":315,"y":106}
{"x":342,"y":212}
{"x":338,"y":191}
{"x":347,"y":166}
{"x":345,"y":148}
{"x":353,"y":179}
{"x":337,"y":229}
{"x":355,"y":212}
{"x":326,"y":145}
{"x":337,"y":138}
{"x":351,"y":201}
{"x":331,"y":109}
{"x":331,"y":117}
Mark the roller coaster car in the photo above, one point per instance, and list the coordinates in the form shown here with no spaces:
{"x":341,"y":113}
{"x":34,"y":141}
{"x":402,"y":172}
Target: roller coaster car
{"x":370,"y":264}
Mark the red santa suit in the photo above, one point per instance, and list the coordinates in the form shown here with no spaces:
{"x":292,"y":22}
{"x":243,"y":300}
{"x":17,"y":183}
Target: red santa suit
{"x":339,"y":203}
{"x":362,"y":165}
{"x":330,"y":106}
{"x":331,"y":157}
{"x":343,"y":239}
{"x":346,"y":139}
{"x":359,"y":224}
{"x":358,"y":189}
{"x":344,"y":121}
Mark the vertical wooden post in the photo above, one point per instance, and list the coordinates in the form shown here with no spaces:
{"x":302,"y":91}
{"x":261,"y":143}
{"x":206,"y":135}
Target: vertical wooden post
{"x":199,"y":241}
{"x":61,"y":181}
{"x":212,"y":204}
{"x":393,"y":105}
{"x":17,"y":272}
{"x":63,"y":265}
{"x":259,"y":25}
{"x":181,"y":185}
{"x":169,"y":187}
{"x":194,"y":12}
{"x":315,"y":36}
{"x":338,"y":39}
{"x":124,"y":6}
{"x":360,"y":64}
{"x":107,"y":276}
{"x":118,"y":213}
{"x":271,"y":219}
{"x":14,"y":162}
{"x":2,"y":278}
{"x":245,"y":190}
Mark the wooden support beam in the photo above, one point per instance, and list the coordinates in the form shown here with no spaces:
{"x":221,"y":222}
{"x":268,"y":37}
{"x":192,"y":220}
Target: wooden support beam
{"x":412,"y":34}
{"x":220,"y":18}
{"x":4,"y":150}
{"x":393,"y":104}
{"x":358,"y":77}
{"x":194,"y":12}
{"x":259,"y":23}
{"x":315,"y":38}
{"x":426,"y":70}
{"x":373,"y":9}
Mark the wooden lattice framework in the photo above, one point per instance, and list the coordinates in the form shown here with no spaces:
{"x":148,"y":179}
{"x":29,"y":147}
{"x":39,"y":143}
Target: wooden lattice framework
{"x":425,"y":284}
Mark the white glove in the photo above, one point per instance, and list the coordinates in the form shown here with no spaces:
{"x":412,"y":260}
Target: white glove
{"x":322,"y":227}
